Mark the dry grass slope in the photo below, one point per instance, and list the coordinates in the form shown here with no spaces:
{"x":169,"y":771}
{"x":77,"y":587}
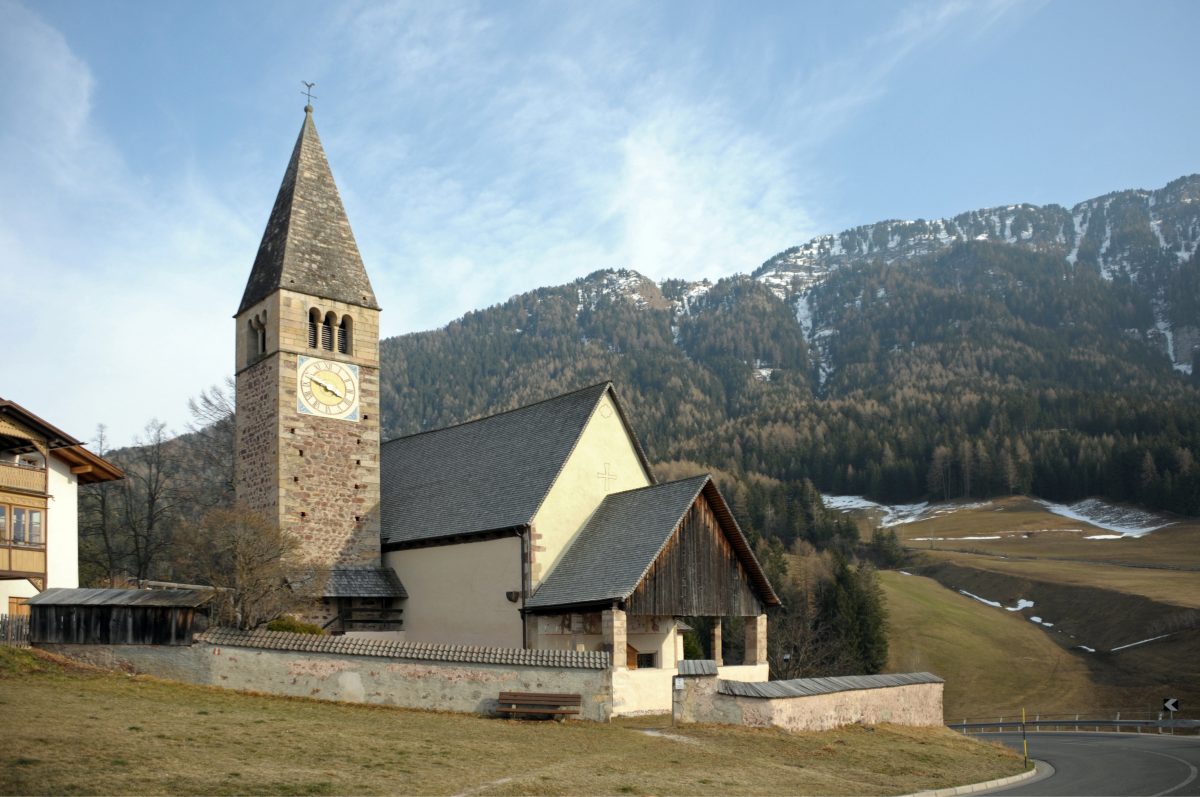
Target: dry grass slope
{"x":994,"y":662}
{"x":1101,"y":593}
{"x":89,"y":732}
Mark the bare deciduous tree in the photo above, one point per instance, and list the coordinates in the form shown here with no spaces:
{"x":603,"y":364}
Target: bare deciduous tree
{"x":149,"y":497}
{"x":257,"y":562}
{"x":103,"y":547}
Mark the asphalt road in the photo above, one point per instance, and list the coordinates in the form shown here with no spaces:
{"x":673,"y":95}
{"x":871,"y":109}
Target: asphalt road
{"x":1110,"y":763}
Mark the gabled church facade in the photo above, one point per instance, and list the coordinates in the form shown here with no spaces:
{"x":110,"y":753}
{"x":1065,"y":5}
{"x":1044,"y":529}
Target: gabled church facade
{"x":540,"y":528}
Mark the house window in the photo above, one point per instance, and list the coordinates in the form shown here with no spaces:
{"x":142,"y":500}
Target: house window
{"x":21,"y":526}
{"x":647,"y":660}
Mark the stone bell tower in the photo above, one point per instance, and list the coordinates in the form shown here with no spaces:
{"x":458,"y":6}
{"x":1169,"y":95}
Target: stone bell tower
{"x":308,"y":371}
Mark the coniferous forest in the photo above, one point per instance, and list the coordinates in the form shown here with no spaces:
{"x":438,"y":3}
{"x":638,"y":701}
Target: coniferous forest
{"x":985,"y":370}
{"x":1023,"y":350}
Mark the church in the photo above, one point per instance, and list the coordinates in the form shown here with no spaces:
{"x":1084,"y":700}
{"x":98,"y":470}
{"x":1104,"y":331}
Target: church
{"x":539,"y":528}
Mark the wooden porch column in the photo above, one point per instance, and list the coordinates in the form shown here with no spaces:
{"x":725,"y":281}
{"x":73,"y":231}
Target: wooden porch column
{"x":615,"y":637}
{"x":756,"y":639}
{"x":716,"y":642}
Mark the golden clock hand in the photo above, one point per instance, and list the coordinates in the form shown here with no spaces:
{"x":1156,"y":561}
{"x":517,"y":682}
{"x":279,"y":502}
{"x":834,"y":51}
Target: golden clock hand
{"x":327,"y":386}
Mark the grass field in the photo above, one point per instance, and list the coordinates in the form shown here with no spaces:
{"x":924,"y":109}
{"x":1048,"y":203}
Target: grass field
{"x":1176,"y":587}
{"x":77,"y":731}
{"x":1103,"y":594}
{"x":994,"y":662}
{"x":1027,"y":529}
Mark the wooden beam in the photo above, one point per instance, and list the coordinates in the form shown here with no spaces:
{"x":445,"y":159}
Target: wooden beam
{"x":81,"y":469}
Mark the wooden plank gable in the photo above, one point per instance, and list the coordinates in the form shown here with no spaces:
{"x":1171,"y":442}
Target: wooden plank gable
{"x":697,"y":574}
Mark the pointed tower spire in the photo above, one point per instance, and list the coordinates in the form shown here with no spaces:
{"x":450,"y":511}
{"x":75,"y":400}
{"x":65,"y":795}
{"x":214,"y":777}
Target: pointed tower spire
{"x":308,"y":246}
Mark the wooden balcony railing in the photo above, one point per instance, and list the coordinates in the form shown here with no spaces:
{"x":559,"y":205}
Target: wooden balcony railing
{"x":21,"y":559}
{"x":19,"y":477}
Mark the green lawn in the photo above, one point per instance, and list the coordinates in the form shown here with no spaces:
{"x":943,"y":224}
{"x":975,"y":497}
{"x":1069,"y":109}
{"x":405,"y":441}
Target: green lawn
{"x":77,"y":731}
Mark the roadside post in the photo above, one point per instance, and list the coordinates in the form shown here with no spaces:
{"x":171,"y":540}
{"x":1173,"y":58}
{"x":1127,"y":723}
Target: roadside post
{"x":1170,"y":704}
{"x":1024,"y":738}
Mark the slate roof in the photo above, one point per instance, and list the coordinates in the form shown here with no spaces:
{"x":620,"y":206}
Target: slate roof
{"x":624,"y":537}
{"x":364,"y":582}
{"x":485,"y":475}
{"x":308,"y":245}
{"x":59,"y":596}
{"x":695,"y":667}
{"x":804,"y":687}
{"x":354,"y":646}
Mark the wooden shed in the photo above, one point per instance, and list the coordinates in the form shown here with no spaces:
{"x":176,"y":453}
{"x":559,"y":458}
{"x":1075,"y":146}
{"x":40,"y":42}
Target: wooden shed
{"x":116,"y":616}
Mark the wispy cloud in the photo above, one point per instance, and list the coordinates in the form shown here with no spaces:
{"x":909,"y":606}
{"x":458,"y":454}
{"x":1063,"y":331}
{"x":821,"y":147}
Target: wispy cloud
{"x":116,"y":279}
{"x":481,"y":150}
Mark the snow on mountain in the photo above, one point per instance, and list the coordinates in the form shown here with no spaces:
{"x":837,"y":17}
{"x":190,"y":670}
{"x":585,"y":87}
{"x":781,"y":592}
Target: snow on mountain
{"x":621,"y":283}
{"x":1140,"y":235}
{"x":1123,"y":520}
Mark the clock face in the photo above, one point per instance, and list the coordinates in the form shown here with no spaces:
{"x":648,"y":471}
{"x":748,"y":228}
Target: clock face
{"x":326,"y":388}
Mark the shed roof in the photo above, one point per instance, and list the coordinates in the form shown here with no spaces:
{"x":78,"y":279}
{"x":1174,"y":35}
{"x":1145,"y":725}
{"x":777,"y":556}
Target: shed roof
{"x":804,"y":687}
{"x":59,"y":596}
{"x":364,"y":582}
{"x":625,"y":536}
{"x":389,"y":649}
{"x":486,"y":475}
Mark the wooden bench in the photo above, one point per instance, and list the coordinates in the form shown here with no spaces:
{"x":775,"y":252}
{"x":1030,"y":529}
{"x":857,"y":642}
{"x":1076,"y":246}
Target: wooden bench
{"x":552,"y":705}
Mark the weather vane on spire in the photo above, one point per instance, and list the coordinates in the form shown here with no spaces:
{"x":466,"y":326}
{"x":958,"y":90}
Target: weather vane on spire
{"x":308,"y":91}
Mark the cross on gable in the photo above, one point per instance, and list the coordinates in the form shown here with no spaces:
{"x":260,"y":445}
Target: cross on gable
{"x":607,"y":476}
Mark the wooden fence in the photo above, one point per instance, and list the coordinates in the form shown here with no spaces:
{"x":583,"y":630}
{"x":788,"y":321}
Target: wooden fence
{"x":14,"y":630}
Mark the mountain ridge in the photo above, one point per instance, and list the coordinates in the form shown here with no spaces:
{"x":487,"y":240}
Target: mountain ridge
{"x":1010,"y":356}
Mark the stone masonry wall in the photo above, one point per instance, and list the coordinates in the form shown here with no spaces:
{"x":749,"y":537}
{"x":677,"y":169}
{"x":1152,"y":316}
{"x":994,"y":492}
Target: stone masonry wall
{"x":441,"y":686}
{"x":318,"y":477}
{"x":256,"y":460}
{"x":696,"y":699}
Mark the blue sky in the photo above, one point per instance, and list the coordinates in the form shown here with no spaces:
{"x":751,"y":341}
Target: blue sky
{"x":486,"y":149}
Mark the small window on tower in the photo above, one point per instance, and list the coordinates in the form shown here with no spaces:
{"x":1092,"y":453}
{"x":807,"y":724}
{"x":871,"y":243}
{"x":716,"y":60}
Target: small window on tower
{"x":257,"y":342}
{"x":344,"y":334}
{"x":314,"y":321}
{"x":327,"y":331}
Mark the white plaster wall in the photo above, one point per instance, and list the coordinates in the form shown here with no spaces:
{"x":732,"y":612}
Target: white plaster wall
{"x":14,"y":588}
{"x":653,"y":635}
{"x":642,"y":691}
{"x":456,"y":592}
{"x":749,"y":673}
{"x":580,"y":488}
{"x":62,"y":526}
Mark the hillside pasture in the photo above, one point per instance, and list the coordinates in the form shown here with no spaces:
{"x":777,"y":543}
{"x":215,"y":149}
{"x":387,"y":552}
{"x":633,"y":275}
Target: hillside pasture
{"x":1022,"y":528}
{"x":1121,"y":614}
{"x":994,"y":662}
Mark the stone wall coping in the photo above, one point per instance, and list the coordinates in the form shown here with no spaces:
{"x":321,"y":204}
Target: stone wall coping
{"x":806,"y":687}
{"x":388,"y":649}
{"x":697,"y":667}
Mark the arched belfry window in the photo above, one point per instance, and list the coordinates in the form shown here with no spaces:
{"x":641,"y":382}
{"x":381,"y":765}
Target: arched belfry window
{"x":314,"y":321}
{"x":327,"y":331}
{"x":345,"y":334}
{"x":256,"y":340}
